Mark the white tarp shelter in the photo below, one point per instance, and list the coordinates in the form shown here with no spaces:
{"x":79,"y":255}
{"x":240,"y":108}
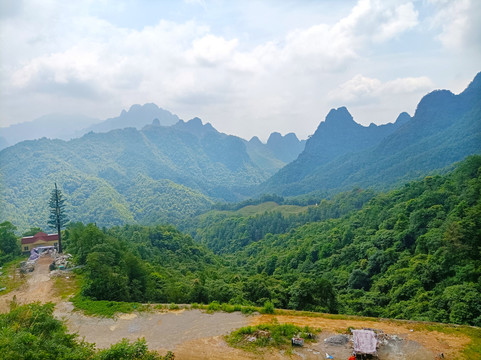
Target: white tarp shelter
{"x":365,"y":341}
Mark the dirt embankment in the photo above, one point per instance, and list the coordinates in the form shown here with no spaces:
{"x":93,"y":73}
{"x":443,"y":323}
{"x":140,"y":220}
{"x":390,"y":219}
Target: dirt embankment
{"x":194,"y":334}
{"x":38,"y":287}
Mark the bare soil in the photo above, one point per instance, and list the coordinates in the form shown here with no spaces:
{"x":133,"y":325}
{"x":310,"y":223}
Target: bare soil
{"x":38,"y":287}
{"x":193,"y":334}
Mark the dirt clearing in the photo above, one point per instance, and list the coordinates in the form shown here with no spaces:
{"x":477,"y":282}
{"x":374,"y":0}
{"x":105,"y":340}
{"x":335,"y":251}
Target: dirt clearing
{"x":412,"y":344}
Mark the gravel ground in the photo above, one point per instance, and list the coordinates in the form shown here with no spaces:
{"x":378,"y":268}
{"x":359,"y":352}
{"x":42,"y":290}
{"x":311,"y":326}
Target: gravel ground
{"x":160,"y":330}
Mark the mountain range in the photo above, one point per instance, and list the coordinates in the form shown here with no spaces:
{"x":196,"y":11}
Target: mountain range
{"x":156,"y":174}
{"x":156,"y":168}
{"x":342,"y":154}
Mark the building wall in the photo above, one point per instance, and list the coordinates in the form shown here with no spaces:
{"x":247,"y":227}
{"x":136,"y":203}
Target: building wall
{"x":26,"y":248}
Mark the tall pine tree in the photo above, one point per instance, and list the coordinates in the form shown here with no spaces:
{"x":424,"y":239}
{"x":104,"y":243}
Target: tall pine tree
{"x":57,"y":218}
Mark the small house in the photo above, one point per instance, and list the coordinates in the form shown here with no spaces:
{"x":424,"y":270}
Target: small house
{"x":37,"y":240}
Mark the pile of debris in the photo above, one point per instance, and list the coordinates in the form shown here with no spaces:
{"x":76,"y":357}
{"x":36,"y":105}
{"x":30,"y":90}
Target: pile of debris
{"x":27,"y":266}
{"x":35,"y":254}
{"x":384,"y":339}
{"x":61,"y":262}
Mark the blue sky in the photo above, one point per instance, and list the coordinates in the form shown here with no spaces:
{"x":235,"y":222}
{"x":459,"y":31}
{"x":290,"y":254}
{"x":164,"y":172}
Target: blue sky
{"x":247,"y":67}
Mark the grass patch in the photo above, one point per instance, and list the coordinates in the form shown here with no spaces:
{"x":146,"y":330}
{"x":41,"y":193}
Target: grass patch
{"x":173,"y":306}
{"x":251,"y":210}
{"x":106,"y":308}
{"x":11,"y":279}
{"x":67,"y":287}
{"x":225,"y":307}
{"x":269,"y":335}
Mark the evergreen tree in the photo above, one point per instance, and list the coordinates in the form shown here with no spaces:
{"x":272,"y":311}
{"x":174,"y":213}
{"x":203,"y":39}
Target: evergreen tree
{"x":57,"y":218}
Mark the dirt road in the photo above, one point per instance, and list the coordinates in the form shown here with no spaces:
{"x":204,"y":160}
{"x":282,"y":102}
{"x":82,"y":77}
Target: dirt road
{"x":192,"y":334}
{"x":38,"y":287}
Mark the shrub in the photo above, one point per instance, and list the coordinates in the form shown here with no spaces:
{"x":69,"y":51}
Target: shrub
{"x":268,"y":308}
{"x":248,"y":309}
{"x":214,"y":306}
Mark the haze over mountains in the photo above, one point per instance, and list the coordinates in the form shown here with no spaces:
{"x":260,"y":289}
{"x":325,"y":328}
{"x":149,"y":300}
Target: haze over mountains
{"x":137,"y":116}
{"x":53,"y":126}
{"x":144,"y":171}
{"x":66,"y":127}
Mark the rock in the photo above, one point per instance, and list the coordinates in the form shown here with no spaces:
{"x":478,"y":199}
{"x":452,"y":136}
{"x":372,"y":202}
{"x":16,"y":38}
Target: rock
{"x":337,"y":340}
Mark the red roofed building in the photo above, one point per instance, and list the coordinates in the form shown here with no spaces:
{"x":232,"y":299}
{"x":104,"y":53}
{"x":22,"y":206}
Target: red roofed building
{"x":39,"y":239}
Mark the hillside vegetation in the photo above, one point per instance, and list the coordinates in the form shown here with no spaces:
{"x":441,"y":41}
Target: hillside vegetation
{"x":412,"y":253}
{"x":31,"y":332}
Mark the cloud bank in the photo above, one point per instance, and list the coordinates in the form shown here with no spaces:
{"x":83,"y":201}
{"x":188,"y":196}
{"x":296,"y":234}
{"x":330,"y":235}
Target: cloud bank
{"x":71,"y":57}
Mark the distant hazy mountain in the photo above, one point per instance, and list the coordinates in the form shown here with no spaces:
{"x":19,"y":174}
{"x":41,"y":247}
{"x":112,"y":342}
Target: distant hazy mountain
{"x":342,"y":154}
{"x":3,"y":143}
{"x":262,"y":156}
{"x":276,"y":153}
{"x":153,"y":175}
{"x":286,"y":148}
{"x":52,"y":126}
{"x":137,"y":117}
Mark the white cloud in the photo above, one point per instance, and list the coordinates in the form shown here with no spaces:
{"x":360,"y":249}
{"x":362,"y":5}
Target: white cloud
{"x":357,"y":88}
{"x":377,"y":20}
{"x":52,"y":48}
{"x":361,"y":88}
{"x":212,"y":50}
{"x":402,"y":18}
{"x":458,"y":23}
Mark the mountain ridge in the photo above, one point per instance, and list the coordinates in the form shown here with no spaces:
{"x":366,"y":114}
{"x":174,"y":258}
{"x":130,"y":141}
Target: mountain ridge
{"x":444,"y":129}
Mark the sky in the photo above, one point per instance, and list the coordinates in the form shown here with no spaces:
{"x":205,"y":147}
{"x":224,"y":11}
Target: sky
{"x":247,"y":67}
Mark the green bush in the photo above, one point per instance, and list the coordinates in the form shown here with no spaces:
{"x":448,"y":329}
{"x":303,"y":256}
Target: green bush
{"x":214,"y":306}
{"x":248,"y":309}
{"x":268,"y":308}
{"x":31,"y":332}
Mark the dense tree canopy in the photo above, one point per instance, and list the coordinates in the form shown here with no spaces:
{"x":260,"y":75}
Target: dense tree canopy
{"x":412,"y":253}
{"x":9,"y":245}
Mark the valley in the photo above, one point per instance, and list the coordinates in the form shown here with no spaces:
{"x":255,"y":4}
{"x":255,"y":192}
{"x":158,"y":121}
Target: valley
{"x":356,"y":227}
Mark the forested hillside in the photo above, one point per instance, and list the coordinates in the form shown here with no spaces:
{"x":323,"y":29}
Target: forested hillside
{"x":167,"y":174}
{"x":412,"y":253}
{"x":156,"y":175}
{"x":230,"y":231}
{"x":342,"y":154}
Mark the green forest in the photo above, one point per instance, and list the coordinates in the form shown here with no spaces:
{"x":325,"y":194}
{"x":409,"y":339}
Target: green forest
{"x":411,"y":253}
